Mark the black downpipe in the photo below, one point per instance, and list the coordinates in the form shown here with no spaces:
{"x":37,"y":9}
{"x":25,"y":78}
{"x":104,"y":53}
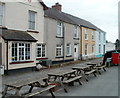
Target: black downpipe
{"x":7,"y":58}
{"x":63,"y":43}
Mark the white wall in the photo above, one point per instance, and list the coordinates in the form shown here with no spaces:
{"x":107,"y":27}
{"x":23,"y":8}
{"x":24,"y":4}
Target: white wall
{"x":110,"y":46}
{"x":16,"y":17}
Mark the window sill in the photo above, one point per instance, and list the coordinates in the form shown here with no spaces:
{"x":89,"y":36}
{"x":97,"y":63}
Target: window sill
{"x":41,"y":58}
{"x":69,"y":56}
{"x":20,"y":62}
{"x":59,"y":57}
{"x":76,"y":38}
{"x":59,"y":37}
{"x":32,"y":31}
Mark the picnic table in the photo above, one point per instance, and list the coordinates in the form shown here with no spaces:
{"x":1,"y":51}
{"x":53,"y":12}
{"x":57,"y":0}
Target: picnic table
{"x":85,"y":70}
{"x":42,"y":85}
{"x":65,"y":77}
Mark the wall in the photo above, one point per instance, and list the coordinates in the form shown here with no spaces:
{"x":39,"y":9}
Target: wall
{"x":51,"y":39}
{"x":90,"y":42}
{"x":110,"y":46}
{"x":101,"y":42}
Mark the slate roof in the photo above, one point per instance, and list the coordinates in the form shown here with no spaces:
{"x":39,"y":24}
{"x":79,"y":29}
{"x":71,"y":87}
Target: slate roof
{"x":58,"y":15}
{"x":15,"y":35}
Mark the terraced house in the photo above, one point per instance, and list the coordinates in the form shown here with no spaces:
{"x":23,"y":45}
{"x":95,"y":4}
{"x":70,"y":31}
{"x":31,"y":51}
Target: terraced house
{"x":22,"y":28}
{"x":80,"y":37}
{"x":32,"y":32}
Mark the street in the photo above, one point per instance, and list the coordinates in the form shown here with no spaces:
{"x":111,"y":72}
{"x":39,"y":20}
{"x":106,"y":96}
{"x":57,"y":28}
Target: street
{"x":105,"y":84}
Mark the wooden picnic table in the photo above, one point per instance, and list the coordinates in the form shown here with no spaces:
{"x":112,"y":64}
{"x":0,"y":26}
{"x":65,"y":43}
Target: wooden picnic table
{"x":85,"y":70}
{"x":60,"y":76}
{"x":32,"y":82}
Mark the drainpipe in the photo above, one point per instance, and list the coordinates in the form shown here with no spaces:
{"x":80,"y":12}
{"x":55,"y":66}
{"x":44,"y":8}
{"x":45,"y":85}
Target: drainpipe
{"x":7,"y":57}
{"x":81,"y":41}
{"x":63,"y":42}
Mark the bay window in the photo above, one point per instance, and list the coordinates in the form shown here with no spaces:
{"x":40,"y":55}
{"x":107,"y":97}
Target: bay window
{"x":20,"y":52}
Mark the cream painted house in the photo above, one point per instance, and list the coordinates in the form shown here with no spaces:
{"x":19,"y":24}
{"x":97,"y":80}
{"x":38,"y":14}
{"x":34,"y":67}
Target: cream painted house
{"x":22,"y":28}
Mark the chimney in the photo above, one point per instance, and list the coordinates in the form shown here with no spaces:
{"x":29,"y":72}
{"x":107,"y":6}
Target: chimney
{"x":57,"y":6}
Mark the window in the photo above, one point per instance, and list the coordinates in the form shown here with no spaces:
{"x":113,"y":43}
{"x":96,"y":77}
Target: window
{"x":32,"y":16}
{"x":59,"y":29}
{"x":99,"y":36}
{"x":58,"y":50}
{"x":104,"y":37}
{"x":93,"y":35}
{"x":93,"y":47}
{"x":20,"y":51}
{"x":68,"y":49}
{"x":86,"y":34}
{"x":86,"y":49}
{"x":75,"y":32}
{"x":2,"y":14}
{"x":99,"y":48}
{"x":41,"y":50}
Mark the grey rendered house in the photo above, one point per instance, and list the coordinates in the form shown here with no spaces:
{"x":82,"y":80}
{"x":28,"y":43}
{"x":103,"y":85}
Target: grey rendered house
{"x":62,"y":36}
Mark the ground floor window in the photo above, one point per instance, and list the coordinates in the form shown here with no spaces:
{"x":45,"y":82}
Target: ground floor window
{"x":20,"y":51}
{"x":93,"y":48}
{"x":86,"y":49}
{"x":41,"y":50}
{"x":68,"y":49}
{"x":58,"y":50}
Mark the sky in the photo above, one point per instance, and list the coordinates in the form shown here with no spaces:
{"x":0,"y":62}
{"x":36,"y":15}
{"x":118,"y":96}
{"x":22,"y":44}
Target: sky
{"x":102,"y":13}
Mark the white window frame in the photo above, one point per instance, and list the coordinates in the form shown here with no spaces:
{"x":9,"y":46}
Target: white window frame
{"x":32,"y":21}
{"x":60,"y":52}
{"x":86,"y":49}
{"x":59,"y":29}
{"x":99,"y":48}
{"x":20,"y":48}
{"x":2,"y":14}
{"x":41,"y":46}
{"x":75,"y":31}
{"x":86,"y":34}
{"x":93,"y":35}
{"x":93,"y":48}
{"x":68,"y":46}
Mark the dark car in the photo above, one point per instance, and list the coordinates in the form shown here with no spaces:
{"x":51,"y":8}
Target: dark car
{"x":108,"y":54}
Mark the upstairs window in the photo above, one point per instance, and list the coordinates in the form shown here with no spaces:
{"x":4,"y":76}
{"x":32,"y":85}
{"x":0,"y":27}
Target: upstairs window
{"x":2,"y":11}
{"x":75,"y":32}
{"x":86,"y":34}
{"x":99,"y":36}
{"x":59,"y":29}
{"x":32,"y":20}
{"x":93,"y":35}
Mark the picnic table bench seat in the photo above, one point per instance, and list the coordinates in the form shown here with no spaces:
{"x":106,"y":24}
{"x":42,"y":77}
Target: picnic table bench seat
{"x":98,"y":68}
{"x":72,"y":80}
{"x":91,"y":72}
{"x":39,"y":91}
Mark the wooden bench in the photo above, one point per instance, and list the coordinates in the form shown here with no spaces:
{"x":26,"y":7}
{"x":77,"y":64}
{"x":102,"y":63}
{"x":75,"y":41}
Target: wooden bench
{"x":39,"y":91}
{"x":72,"y":80}
{"x":100,"y":67}
{"x":90,"y":71}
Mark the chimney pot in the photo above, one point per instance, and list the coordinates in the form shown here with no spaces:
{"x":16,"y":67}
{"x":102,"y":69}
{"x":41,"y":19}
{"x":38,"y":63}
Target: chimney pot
{"x":57,"y":6}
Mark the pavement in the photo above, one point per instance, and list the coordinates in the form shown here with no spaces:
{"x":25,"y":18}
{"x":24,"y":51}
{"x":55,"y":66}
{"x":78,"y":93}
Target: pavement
{"x":105,"y":84}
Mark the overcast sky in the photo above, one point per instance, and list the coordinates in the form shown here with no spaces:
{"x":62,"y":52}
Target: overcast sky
{"x":102,"y":13}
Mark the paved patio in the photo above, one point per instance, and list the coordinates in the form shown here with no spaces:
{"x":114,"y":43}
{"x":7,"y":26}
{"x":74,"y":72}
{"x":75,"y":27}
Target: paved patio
{"x":105,"y":84}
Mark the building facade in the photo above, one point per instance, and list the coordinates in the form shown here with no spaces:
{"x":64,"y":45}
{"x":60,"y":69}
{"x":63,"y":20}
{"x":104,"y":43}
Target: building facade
{"x":62,"y":36}
{"x":100,"y":43}
{"x":22,"y":27}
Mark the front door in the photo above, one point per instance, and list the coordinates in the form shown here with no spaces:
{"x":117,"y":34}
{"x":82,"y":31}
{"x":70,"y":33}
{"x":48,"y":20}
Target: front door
{"x":0,"y":53}
{"x":75,"y":52}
